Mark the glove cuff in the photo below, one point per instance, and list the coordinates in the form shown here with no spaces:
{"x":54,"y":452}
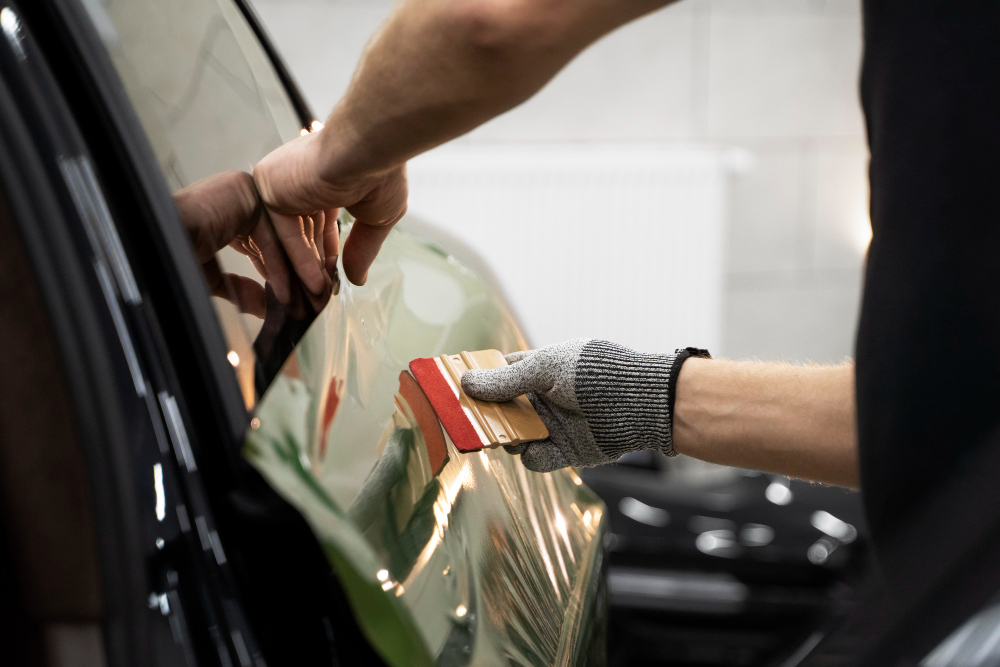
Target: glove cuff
{"x":626,"y":397}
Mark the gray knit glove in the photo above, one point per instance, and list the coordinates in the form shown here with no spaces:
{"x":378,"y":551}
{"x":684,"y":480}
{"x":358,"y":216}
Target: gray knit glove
{"x":598,"y":400}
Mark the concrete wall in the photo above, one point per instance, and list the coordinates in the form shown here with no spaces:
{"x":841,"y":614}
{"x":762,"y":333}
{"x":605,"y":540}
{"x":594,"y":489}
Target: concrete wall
{"x":776,"y":77}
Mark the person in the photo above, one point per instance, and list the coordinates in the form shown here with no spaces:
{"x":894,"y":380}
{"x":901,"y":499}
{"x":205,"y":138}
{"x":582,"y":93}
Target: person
{"x":922,"y":400}
{"x":438,"y":69}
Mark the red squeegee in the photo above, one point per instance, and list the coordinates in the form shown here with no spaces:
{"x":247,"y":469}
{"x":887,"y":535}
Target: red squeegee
{"x":472,"y":424}
{"x":445,"y":404}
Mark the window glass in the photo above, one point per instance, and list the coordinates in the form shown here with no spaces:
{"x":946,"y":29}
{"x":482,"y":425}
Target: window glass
{"x":211,"y":103}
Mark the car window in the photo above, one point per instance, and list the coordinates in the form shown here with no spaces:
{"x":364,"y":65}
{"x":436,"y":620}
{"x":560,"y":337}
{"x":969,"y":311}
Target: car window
{"x":210,"y":102}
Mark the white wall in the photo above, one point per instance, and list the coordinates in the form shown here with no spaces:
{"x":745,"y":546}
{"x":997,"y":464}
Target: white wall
{"x":776,"y":77}
{"x":586,"y":238}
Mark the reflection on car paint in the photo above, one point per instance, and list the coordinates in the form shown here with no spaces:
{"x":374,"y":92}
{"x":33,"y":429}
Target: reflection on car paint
{"x":447,"y":558}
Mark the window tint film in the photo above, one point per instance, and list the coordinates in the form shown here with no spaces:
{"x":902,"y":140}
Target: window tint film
{"x":212,"y":105}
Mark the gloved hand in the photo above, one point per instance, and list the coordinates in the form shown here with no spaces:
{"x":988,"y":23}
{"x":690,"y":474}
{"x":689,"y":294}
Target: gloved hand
{"x":598,"y":400}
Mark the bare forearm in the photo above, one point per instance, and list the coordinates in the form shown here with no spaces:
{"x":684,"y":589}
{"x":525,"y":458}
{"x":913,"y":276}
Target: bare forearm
{"x":439,"y":68}
{"x":794,"y":420}
{"x":435,"y":70}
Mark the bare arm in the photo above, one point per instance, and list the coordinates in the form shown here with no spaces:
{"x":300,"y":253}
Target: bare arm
{"x":435,"y":70}
{"x":794,"y":420}
{"x":600,"y":400}
{"x":439,"y":68}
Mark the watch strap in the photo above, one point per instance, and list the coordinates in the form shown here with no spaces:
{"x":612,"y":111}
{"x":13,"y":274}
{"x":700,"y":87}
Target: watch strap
{"x":679,"y":357}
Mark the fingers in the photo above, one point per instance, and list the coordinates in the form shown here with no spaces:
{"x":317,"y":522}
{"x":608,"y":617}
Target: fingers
{"x":295,"y":234}
{"x":509,"y":382}
{"x":320,"y":222}
{"x":514,"y":450}
{"x":246,"y":293}
{"x":520,"y":355}
{"x":319,"y":226}
{"x":291,"y":184}
{"x":217,"y":209}
{"x":375,"y":215}
{"x":252,"y":253}
{"x":331,"y":246}
{"x":543,"y":456}
{"x":360,"y":249}
{"x":273,"y":259}
{"x":331,"y":241}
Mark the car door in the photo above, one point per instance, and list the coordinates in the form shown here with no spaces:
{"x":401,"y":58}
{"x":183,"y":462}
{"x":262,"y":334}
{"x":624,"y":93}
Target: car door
{"x":192,"y":545}
{"x":97,"y":519}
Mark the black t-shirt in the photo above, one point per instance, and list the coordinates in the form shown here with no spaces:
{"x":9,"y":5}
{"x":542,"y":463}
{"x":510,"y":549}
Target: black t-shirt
{"x":928,"y":348}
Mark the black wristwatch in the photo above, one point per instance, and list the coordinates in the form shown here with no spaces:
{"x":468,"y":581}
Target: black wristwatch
{"x":684,"y":353}
{"x":680,"y":356}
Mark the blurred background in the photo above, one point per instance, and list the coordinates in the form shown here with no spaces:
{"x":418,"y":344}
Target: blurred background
{"x":696,"y":178}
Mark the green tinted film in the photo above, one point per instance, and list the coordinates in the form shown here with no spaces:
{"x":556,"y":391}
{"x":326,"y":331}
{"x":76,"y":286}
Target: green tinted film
{"x":448,"y":558}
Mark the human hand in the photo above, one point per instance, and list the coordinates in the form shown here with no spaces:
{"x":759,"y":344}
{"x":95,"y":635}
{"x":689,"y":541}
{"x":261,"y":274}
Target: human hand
{"x":297,"y":180}
{"x":225,"y":209}
{"x":598,"y":400}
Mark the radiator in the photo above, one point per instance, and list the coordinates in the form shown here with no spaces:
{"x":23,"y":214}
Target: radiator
{"x":616,"y":242}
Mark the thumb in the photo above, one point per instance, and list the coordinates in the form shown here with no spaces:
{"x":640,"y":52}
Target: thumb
{"x":543,"y":456}
{"x":520,"y":355}
{"x":509,"y":382}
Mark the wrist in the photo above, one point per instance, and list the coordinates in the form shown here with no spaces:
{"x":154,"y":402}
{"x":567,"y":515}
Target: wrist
{"x":345,"y":158}
{"x":340,"y":156}
{"x":687,"y":405}
{"x":678,"y":358}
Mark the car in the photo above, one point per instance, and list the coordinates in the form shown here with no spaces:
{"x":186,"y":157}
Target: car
{"x":189,"y":478}
{"x":711,"y":565}
{"x":192,"y":479}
